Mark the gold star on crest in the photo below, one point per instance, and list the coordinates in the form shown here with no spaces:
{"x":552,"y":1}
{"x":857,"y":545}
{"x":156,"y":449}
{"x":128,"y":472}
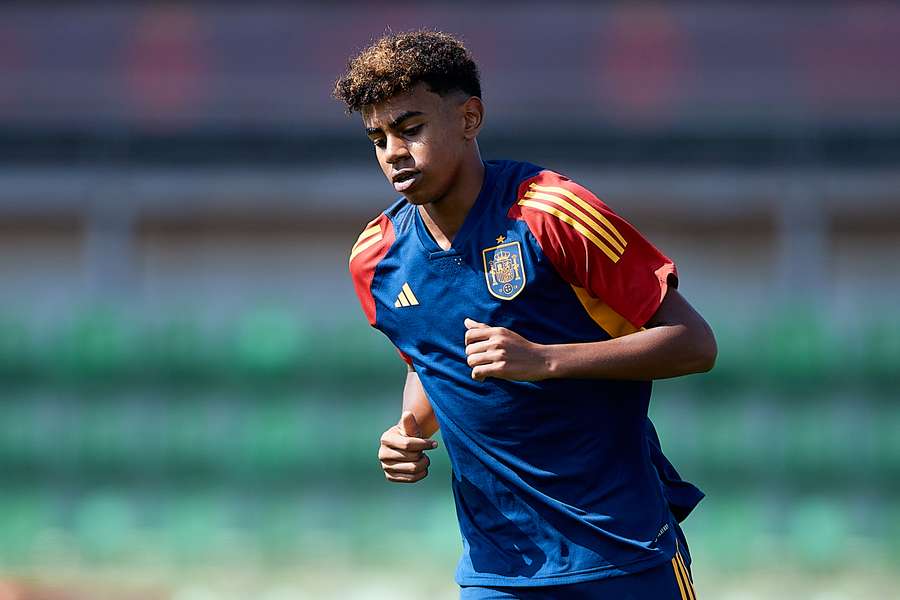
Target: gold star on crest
{"x":500,"y":239}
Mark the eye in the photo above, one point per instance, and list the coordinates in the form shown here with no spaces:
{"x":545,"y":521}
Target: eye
{"x":379,"y":143}
{"x":413,"y":130}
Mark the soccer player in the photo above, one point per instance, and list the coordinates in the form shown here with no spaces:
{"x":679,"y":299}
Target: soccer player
{"x":532,"y":319}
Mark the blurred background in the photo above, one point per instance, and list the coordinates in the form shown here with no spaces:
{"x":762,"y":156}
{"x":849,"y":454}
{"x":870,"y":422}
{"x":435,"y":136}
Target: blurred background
{"x":191,"y":396}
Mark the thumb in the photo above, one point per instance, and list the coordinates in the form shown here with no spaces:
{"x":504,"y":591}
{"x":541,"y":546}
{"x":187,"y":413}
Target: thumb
{"x":408,"y":425}
{"x":473,"y":324}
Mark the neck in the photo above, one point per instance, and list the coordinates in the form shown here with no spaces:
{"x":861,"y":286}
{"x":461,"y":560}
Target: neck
{"x":445,"y":217}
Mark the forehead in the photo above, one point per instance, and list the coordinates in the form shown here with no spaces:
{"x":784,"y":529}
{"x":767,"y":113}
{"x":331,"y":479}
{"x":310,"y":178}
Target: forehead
{"x":418,"y":99}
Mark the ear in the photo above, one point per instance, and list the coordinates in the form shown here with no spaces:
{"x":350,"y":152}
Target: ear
{"x":473,"y":117}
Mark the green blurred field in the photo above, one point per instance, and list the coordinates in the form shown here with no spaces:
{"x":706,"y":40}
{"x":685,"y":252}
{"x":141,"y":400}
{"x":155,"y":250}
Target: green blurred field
{"x":165,"y":461}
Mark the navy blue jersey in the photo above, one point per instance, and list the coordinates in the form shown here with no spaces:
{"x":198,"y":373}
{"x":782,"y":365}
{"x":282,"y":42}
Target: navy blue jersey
{"x":555,"y":481}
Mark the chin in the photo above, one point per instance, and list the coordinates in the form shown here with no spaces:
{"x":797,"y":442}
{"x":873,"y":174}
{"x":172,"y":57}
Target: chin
{"x":416,"y":199}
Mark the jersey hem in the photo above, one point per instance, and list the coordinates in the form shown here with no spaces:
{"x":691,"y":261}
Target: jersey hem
{"x":564,"y":578}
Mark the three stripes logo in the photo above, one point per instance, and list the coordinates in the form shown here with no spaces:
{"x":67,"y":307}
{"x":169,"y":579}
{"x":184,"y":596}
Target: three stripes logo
{"x":366,"y":239}
{"x":579,"y":215}
{"x":406,"y":297}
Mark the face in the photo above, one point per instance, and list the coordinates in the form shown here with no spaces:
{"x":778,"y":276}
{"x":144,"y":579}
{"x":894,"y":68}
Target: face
{"x":420,"y":139}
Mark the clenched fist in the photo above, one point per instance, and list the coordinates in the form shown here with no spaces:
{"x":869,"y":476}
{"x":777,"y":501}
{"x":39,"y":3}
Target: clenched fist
{"x":504,"y":354}
{"x":402,"y":451}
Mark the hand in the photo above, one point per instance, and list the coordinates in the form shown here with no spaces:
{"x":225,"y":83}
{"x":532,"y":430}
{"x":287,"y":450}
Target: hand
{"x":499,"y":352}
{"x":402,"y":451}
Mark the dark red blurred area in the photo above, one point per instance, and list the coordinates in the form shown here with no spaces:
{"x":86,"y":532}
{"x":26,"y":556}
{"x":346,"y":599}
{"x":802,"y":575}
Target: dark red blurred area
{"x":632,"y":64}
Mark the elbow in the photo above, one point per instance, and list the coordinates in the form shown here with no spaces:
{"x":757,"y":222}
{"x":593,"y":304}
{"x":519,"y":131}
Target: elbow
{"x":697,"y":350}
{"x":706,"y":351}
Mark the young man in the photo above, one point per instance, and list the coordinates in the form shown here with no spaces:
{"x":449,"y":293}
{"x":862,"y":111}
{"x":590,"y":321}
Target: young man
{"x":533,"y":320}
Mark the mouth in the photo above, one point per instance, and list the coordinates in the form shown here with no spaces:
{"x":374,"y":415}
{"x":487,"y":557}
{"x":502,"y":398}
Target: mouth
{"x":405,"y":179}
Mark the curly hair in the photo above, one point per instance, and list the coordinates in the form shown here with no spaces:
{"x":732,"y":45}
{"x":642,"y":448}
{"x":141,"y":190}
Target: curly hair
{"x":395,"y":63}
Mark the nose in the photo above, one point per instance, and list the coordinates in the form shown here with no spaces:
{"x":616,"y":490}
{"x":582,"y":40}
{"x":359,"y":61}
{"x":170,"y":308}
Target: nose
{"x":395,"y":150}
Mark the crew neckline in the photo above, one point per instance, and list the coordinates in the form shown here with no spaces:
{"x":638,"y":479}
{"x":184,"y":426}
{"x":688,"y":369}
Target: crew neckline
{"x":427,"y":240}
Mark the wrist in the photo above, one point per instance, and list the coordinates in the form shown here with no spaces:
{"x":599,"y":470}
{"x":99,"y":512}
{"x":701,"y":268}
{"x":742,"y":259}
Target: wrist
{"x":552,"y":364}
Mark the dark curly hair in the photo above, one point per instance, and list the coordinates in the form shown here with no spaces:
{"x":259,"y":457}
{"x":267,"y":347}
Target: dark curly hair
{"x":395,"y":63}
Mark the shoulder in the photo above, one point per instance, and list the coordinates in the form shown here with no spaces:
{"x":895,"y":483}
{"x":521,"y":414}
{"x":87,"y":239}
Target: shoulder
{"x":375,"y":236}
{"x":544,"y":183}
{"x":378,"y":235}
{"x":371,"y":246}
{"x":514,"y":168}
{"x":507,"y":175}
{"x":561,"y":212}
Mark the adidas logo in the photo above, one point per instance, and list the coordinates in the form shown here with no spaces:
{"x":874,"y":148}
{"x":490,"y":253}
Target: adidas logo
{"x":406,"y":297}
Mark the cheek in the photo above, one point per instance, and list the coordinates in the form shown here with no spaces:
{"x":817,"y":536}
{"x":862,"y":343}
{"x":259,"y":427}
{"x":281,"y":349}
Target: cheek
{"x":385,"y":166}
{"x":429,"y":152}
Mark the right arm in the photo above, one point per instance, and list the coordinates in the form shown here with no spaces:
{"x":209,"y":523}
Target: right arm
{"x":403,"y":446}
{"x":415,"y":401}
{"x":402,"y":449}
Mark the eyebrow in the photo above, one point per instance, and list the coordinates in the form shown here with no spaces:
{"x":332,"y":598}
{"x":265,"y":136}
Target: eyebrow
{"x":395,"y":124}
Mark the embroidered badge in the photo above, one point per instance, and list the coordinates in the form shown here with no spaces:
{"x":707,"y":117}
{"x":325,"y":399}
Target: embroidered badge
{"x":504,"y":270}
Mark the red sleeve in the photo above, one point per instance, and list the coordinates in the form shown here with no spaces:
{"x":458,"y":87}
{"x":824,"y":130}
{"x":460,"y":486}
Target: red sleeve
{"x":370,"y":247}
{"x":593,"y":248}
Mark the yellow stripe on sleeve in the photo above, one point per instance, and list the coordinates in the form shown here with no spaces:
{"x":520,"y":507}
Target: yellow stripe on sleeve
{"x":593,"y":211}
{"x":575,"y":224}
{"x":687,"y":578}
{"x":678,"y":579}
{"x":366,"y":244}
{"x":603,"y":315}
{"x":368,"y":233}
{"x":584,"y":218}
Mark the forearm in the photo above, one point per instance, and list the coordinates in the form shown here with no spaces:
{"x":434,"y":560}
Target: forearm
{"x":655,"y":353}
{"x":676,"y":341}
{"x":415,"y":400}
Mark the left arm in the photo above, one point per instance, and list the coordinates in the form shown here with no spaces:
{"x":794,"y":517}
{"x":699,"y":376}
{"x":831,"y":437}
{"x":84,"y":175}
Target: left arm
{"x":676,"y":341}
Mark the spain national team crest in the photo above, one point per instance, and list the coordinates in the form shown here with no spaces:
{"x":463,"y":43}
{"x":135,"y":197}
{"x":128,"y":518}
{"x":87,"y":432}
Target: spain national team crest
{"x":504,"y":270}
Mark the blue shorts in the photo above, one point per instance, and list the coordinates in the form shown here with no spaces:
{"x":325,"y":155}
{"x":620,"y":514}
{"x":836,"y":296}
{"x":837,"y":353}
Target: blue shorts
{"x":671,"y":580}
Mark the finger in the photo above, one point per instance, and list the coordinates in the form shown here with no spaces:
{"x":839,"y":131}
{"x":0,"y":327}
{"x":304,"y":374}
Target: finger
{"x":387,"y":453}
{"x":482,"y":358}
{"x":404,"y":467}
{"x":481,"y":372}
{"x":408,"y":424}
{"x":394,"y":438}
{"x":410,"y":444}
{"x":405,"y":478}
{"x":477,"y":347}
{"x":479,"y":334}
{"x":472,"y":323}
